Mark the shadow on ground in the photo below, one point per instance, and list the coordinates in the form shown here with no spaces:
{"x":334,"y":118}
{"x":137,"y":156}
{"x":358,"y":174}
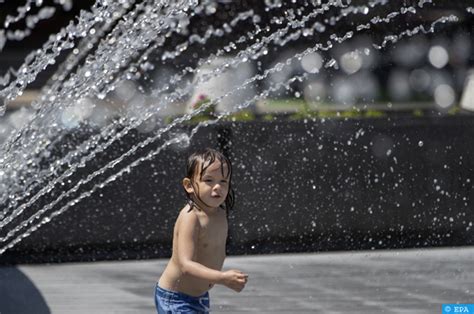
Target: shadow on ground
{"x":19,"y":295}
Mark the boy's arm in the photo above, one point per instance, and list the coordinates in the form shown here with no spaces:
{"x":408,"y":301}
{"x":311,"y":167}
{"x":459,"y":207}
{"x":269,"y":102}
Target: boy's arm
{"x":188,"y":233}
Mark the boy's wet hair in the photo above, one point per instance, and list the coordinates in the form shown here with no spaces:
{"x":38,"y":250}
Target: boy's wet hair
{"x":201,"y":160}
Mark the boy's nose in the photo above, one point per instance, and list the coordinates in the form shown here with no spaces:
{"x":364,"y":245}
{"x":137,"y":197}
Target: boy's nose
{"x":217,"y":187}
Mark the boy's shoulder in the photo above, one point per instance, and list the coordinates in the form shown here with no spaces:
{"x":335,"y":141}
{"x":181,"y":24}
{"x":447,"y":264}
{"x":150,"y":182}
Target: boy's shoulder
{"x":188,"y":215}
{"x":193,"y":215}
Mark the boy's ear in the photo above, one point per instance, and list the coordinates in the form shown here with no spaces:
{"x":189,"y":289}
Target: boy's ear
{"x":187,"y":185}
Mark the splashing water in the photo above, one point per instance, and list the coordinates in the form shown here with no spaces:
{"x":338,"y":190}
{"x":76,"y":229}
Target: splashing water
{"x":117,"y":43}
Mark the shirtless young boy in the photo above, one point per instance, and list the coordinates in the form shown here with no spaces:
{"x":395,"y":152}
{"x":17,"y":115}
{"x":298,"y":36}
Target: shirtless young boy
{"x":199,"y":238}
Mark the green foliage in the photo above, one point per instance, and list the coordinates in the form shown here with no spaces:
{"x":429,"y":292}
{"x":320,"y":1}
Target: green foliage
{"x":417,"y":113}
{"x":243,"y":115}
{"x":374,"y":114}
{"x":209,"y":113}
{"x":268,"y":117}
{"x":454,"y":110}
{"x":304,"y":111}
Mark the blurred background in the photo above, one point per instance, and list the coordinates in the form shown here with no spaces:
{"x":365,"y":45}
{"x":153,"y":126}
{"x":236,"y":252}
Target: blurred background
{"x":349,"y":124}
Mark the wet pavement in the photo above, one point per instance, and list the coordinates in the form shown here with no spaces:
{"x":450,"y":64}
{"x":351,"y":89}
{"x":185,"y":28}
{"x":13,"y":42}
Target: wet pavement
{"x":395,"y":281}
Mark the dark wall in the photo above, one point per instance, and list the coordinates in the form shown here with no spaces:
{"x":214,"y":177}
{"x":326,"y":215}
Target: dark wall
{"x":300,"y":186}
{"x":355,"y":184}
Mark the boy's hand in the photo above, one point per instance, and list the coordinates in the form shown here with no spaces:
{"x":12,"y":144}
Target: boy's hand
{"x":234,"y":279}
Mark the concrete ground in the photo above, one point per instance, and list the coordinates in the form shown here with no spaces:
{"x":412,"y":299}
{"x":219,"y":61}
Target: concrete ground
{"x":401,"y":281}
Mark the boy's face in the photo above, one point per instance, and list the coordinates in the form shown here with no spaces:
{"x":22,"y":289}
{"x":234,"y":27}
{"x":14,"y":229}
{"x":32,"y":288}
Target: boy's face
{"x":212,"y":187}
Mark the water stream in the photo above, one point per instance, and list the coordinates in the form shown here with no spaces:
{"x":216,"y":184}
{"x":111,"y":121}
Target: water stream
{"x":118,"y":42}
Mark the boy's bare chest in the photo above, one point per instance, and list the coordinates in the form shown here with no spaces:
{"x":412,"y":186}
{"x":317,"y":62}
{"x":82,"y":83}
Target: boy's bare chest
{"x":213,"y":233}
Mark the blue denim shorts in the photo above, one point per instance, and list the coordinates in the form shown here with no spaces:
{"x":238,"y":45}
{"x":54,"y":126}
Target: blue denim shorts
{"x":171,"y":302}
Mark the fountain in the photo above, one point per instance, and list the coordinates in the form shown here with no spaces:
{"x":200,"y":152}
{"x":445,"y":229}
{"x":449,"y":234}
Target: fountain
{"x":116,"y":103}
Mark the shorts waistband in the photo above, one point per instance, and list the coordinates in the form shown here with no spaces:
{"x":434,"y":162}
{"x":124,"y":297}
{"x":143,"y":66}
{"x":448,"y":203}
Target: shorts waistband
{"x":169,"y":294}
